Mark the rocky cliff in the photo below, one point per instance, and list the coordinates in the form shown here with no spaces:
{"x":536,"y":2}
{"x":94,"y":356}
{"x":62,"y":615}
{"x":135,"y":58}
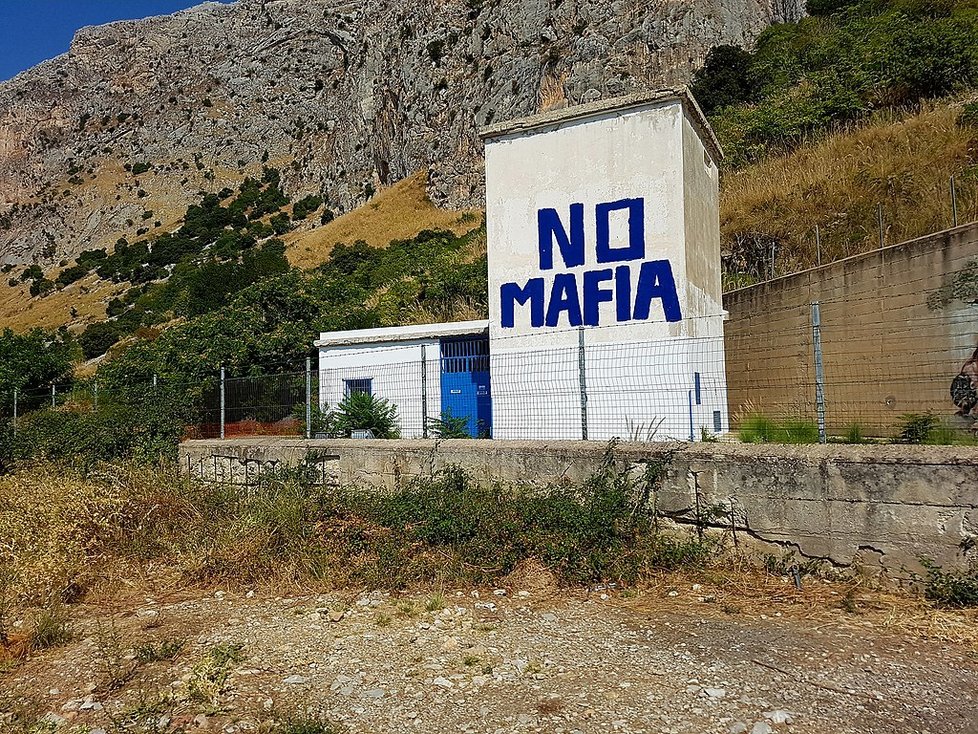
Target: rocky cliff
{"x":116,"y":137}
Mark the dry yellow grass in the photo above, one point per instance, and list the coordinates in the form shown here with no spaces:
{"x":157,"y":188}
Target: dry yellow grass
{"x":396,"y":213}
{"x":738,"y":587}
{"x":905,"y":163}
{"x":552,"y":94}
{"x":88,"y":297}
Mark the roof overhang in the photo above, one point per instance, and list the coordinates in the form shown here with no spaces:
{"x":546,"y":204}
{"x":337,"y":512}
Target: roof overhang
{"x":418,"y":332}
{"x":627,"y":103}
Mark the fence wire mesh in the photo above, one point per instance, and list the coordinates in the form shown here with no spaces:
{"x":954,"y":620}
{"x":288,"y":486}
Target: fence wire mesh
{"x":858,"y":349}
{"x":589,"y":387}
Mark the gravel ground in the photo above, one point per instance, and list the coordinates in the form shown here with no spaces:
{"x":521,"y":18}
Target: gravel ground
{"x":505,"y":660}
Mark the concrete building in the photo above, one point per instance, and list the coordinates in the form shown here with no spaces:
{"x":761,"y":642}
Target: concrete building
{"x":604,"y":287}
{"x":429,"y":372}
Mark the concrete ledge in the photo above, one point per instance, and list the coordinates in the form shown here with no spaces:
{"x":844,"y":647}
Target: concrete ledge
{"x":878,"y":508}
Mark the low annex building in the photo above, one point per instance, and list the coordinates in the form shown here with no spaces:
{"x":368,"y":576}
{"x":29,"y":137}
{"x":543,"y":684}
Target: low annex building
{"x":605,"y":315}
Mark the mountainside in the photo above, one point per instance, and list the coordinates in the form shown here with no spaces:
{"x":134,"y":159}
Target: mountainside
{"x":117,"y":137}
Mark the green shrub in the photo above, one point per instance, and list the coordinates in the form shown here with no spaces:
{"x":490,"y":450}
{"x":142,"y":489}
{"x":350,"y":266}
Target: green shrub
{"x":602,"y":529}
{"x":725,"y":79}
{"x":449,"y":426}
{"x":306,"y":206}
{"x":33,"y":360}
{"x":99,"y":337}
{"x":950,"y":588}
{"x":918,"y":427}
{"x":144,"y":425}
{"x":33,"y":272}
{"x":364,"y":411}
{"x":71,"y":275}
{"x":849,"y":58}
{"x":41,"y":287}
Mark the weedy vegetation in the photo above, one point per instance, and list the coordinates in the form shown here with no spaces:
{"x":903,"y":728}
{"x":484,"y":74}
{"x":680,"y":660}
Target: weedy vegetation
{"x":955,"y":589}
{"x":928,"y":428}
{"x":445,"y":529}
{"x":758,"y":428}
{"x":209,"y":676}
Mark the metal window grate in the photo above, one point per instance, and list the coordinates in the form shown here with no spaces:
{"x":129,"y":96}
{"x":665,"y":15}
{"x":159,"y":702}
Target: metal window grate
{"x":464,"y":355}
{"x":358,"y":386}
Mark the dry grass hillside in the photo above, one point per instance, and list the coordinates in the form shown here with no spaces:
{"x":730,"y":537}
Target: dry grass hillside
{"x":397,"y":213}
{"x":902,"y":162}
{"x":87,"y":297}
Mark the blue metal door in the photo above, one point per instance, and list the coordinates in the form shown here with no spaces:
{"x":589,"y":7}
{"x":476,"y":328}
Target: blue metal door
{"x":466,"y":397}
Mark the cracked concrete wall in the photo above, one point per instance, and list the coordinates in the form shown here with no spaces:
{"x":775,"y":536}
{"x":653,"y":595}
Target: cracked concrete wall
{"x":871,"y":508}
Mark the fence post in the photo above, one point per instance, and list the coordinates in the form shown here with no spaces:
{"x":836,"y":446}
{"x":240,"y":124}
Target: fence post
{"x":222,"y":402}
{"x":95,"y":390}
{"x":54,"y":396}
{"x":308,"y":397}
{"x":154,"y":380}
{"x":582,"y":372}
{"x":954,"y":203}
{"x":424,"y":391}
{"x":15,"y":412}
{"x":879,"y":217}
{"x":819,"y":371}
{"x":692,"y":433}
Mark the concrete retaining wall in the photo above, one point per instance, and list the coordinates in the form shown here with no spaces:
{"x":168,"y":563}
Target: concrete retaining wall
{"x":887,"y":350}
{"x":875,"y":508}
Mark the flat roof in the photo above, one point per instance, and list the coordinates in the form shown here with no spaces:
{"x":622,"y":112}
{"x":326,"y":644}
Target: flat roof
{"x":636,"y":100}
{"x":401,"y":333}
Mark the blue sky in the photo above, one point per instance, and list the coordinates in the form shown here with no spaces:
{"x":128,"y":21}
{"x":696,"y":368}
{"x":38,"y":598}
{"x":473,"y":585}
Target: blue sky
{"x":34,"y":30}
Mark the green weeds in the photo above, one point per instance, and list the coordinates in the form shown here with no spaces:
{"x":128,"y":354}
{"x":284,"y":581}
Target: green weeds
{"x":757,"y":428}
{"x":209,"y":676}
{"x":956,"y":589}
{"x":51,"y":628}
{"x":928,"y":428}
{"x":446,"y":529}
{"x":151,"y":652}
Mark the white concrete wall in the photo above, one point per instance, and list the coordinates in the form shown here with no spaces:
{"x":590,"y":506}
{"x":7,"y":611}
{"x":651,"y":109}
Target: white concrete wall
{"x":704,"y":289}
{"x":396,"y":372}
{"x":639,"y":372}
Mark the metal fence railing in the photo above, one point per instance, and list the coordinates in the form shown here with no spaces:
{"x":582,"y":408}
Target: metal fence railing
{"x":810,"y":364}
{"x":862,"y":349}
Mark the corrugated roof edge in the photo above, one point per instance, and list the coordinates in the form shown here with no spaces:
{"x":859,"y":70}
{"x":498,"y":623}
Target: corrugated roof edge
{"x":613,"y":104}
{"x":401,"y":333}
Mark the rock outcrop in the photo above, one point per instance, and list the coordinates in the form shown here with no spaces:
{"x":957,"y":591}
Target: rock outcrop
{"x":115,"y":137}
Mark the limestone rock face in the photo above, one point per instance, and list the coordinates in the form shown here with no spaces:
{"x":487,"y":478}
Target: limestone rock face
{"x":343,"y":97}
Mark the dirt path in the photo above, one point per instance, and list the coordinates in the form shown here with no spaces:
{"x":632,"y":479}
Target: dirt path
{"x":532,"y":661}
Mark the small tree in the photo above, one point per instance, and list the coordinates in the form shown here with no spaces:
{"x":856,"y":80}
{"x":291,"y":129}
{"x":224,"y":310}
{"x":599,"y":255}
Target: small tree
{"x":362,"y":411}
{"x":449,"y":426}
{"x":725,"y":79}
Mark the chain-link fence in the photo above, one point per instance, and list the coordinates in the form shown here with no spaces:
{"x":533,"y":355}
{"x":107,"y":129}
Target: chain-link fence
{"x":866,"y":347}
{"x":806,"y":366}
